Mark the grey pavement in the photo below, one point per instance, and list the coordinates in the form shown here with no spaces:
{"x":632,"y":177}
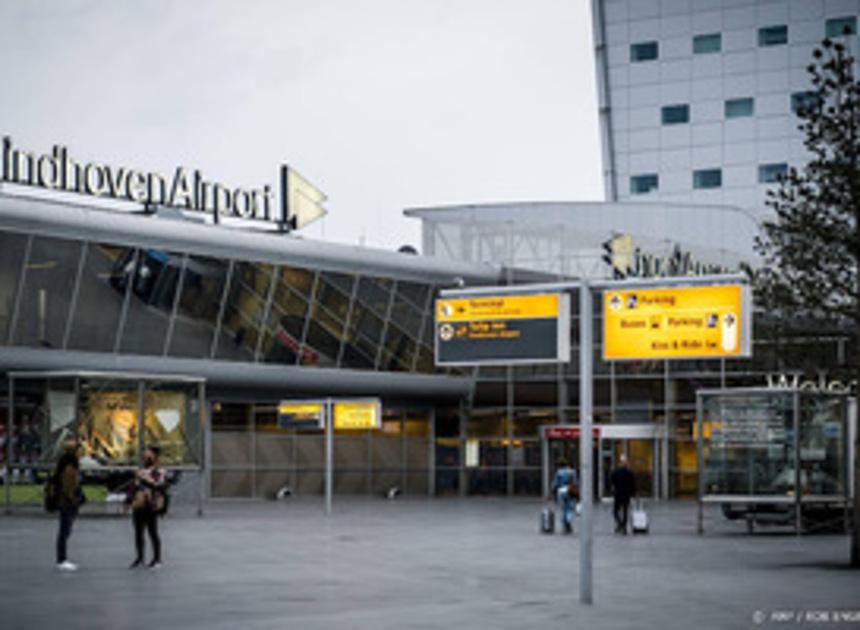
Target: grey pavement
{"x":441,"y":563}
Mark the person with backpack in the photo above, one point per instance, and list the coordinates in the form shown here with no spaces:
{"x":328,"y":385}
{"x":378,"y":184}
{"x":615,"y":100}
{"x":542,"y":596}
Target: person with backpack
{"x":68,"y":497}
{"x":148,"y":499}
{"x":566,"y":490}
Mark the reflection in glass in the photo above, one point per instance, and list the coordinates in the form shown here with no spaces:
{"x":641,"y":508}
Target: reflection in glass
{"x":244,"y":311}
{"x":12,"y":248}
{"x":108,"y":426}
{"x":199,"y":304}
{"x":171,"y":420}
{"x":106,"y":273}
{"x":48,"y":285}
{"x":150,"y":306}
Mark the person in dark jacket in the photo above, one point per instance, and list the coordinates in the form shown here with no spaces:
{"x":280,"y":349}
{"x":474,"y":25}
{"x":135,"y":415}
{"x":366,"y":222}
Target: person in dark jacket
{"x":623,"y":488}
{"x":67,"y":475}
{"x":147,"y":503}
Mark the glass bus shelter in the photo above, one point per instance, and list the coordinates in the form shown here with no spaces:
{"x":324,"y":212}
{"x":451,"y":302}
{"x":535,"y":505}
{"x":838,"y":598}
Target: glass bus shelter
{"x":112,"y":416}
{"x":774,"y":456}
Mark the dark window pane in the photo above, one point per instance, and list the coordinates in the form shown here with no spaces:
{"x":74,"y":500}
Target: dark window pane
{"x":108,"y":272}
{"x":644,"y":51}
{"x":151,"y":302}
{"x":738,"y":107}
{"x":837,"y":27}
{"x":46,"y":298}
{"x":804,"y":101}
{"x":770,"y":173}
{"x":415,"y":293}
{"x":675,"y":114}
{"x":705,"y":44}
{"x":375,"y":294}
{"x":708,"y":178}
{"x":332,"y":297}
{"x":12,"y":248}
{"x":641,"y":184}
{"x":324,"y":344}
{"x":199,"y":304}
{"x":407,"y":317}
{"x":243,"y":315}
{"x":773,"y":35}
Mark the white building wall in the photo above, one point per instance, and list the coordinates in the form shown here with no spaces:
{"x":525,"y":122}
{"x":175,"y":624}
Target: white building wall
{"x":641,"y":144}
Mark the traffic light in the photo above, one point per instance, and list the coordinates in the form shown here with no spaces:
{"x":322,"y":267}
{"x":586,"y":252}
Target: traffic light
{"x":618,"y":254}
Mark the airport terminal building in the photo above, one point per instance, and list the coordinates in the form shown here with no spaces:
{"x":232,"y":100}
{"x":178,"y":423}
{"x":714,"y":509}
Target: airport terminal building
{"x":91,"y":296}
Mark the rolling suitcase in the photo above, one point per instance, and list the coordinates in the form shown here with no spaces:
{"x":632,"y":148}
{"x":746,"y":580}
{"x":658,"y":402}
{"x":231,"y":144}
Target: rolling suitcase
{"x":547,"y":520}
{"x":639,"y":519}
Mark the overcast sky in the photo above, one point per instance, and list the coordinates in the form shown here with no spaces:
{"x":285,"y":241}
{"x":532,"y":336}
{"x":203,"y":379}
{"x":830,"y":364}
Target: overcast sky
{"x":384,"y":104}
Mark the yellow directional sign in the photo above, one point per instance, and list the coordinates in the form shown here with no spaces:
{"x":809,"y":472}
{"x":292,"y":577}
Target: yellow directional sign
{"x":538,"y":306}
{"x":358,"y":414}
{"x":503,"y":329}
{"x":301,"y":414}
{"x":677,"y":323}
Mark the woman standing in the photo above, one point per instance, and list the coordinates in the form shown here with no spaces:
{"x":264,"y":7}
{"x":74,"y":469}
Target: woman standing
{"x":66,"y":476}
{"x":148,"y":499}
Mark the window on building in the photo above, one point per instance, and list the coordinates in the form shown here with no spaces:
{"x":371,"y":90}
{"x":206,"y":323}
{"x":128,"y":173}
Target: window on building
{"x":804,"y":101}
{"x":707,"y":178}
{"x":705,"y":44}
{"x":837,"y":27}
{"x":773,"y":35}
{"x":770,"y":173}
{"x":675,"y":114}
{"x":739,"y":107}
{"x":644,"y":51}
{"x":641,"y":184}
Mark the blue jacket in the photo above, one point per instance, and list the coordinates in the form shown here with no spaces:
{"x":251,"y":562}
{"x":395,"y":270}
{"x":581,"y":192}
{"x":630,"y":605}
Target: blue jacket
{"x":563,"y":477}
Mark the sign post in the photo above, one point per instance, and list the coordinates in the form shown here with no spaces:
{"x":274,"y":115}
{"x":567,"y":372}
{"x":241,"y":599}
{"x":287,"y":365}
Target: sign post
{"x":586,"y":390}
{"x":686,"y":317}
{"x":329,"y":456}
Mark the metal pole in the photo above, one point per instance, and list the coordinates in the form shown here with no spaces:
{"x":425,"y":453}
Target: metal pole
{"x":329,"y":454}
{"x":586,"y":352}
{"x":7,"y":480}
{"x":700,"y":468}
{"x":544,"y":459}
{"x":798,"y":507}
{"x":201,"y":443}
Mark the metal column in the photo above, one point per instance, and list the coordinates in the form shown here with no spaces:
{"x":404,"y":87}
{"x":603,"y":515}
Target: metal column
{"x":586,"y":357}
{"x":329,"y":455}
{"x":7,"y":480}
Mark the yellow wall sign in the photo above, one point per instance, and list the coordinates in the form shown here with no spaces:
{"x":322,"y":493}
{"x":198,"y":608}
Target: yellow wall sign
{"x":677,"y":323}
{"x":303,"y":414}
{"x":357,"y":414}
{"x":544,"y":305}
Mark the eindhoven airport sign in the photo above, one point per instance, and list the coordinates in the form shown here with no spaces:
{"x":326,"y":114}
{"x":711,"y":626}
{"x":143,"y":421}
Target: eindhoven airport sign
{"x":185,"y":189}
{"x":503,"y":329}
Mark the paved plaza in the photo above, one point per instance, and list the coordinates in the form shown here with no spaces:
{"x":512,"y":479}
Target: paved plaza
{"x":444,"y":563}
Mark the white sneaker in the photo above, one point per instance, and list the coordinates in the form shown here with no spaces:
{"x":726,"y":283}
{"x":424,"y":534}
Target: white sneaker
{"x":67,"y":566}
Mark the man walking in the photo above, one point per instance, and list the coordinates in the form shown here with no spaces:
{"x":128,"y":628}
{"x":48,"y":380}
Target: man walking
{"x":67,"y":478}
{"x":623,"y":488}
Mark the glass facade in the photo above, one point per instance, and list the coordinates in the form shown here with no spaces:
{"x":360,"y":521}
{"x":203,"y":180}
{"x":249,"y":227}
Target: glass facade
{"x":104,"y":297}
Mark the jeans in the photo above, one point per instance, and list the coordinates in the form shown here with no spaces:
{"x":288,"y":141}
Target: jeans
{"x":146,"y":519}
{"x":568,"y":505}
{"x":67,"y":519}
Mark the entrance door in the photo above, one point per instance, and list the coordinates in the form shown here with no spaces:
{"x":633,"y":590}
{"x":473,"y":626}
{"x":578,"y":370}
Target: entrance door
{"x":640,"y":453}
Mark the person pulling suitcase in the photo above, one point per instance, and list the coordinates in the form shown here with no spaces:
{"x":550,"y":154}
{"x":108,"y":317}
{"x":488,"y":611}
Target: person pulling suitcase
{"x":623,"y":489}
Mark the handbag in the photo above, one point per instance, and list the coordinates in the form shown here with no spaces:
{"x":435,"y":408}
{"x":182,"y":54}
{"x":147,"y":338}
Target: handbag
{"x":573,"y":490}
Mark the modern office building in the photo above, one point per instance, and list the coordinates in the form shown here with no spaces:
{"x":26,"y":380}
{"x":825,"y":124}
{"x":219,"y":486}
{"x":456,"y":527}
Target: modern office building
{"x":697,"y":97}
